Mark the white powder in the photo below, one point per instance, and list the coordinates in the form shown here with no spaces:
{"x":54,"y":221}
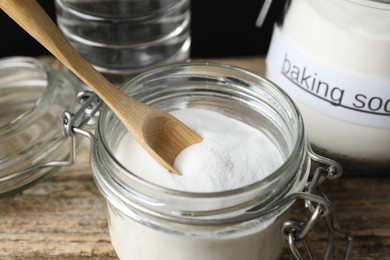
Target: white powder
{"x":231,"y":155}
{"x":134,"y":241}
{"x":353,"y":40}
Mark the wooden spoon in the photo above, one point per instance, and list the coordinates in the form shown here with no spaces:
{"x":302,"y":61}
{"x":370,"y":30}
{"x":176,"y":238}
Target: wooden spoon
{"x":160,"y":134}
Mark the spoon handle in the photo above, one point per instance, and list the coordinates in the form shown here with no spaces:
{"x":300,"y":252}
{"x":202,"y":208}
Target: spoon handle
{"x":162,"y":135}
{"x":33,"y":18}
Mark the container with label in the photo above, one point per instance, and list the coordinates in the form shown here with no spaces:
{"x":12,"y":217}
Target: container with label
{"x":333,"y":58}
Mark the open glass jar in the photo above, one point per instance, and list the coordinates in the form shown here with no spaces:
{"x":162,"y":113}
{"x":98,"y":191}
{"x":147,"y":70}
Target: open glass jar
{"x":148,"y":221}
{"x":33,"y":97}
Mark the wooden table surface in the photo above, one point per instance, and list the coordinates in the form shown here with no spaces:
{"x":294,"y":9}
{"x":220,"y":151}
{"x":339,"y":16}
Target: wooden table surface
{"x":64,"y":217}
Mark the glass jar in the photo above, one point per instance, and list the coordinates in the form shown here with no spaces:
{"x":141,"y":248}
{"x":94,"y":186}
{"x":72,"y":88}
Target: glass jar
{"x":333,"y":58}
{"x":124,"y":38}
{"x":148,"y":221}
{"x":33,"y":97}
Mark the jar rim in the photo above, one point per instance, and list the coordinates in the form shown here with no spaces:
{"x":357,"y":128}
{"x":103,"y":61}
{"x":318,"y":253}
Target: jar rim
{"x":294,"y":156}
{"x":91,"y":16}
{"x":376,"y":4}
{"x":42,"y":100}
{"x":32,"y":142}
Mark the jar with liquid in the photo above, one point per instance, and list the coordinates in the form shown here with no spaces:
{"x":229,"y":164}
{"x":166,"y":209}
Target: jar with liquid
{"x":149,"y":220}
{"x":333,"y":58}
{"x":124,"y":38}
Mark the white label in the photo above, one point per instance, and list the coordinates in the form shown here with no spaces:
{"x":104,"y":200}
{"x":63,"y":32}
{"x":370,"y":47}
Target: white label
{"x":347,"y":97}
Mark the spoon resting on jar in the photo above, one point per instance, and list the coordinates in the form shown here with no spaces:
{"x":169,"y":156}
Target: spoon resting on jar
{"x":160,"y":134}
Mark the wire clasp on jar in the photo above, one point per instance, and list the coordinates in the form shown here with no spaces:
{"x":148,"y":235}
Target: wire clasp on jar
{"x":74,"y":124}
{"x":321,"y":209}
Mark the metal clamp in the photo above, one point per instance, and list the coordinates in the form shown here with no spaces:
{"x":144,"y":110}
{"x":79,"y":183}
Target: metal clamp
{"x":90,"y":105}
{"x":73,"y":124}
{"x":321,"y":209}
{"x":263,"y":12}
{"x":265,"y":9}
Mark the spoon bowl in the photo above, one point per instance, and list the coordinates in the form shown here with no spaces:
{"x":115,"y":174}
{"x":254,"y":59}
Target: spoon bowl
{"x":160,"y":134}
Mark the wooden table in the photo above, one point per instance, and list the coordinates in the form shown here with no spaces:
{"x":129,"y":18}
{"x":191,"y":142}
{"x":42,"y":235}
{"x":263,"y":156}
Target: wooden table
{"x":64,"y":217}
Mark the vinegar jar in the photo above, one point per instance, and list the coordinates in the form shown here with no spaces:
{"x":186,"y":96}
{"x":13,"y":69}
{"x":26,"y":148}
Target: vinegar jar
{"x":149,"y":221}
{"x":124,"y":38}
{"x":333,"y":58}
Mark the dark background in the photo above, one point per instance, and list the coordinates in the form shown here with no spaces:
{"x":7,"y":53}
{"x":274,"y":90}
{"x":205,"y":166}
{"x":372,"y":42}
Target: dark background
{"x":218,"y":28}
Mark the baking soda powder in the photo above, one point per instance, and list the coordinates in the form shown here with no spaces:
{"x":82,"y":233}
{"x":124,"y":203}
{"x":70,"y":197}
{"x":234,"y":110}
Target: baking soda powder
{"x":232,"y":155}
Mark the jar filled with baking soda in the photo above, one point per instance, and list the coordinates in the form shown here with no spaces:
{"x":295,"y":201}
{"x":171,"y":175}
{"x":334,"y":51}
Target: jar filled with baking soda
{"x":233,"y":196}
{"x":333,"y":58}
{"x":237,"y":187}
